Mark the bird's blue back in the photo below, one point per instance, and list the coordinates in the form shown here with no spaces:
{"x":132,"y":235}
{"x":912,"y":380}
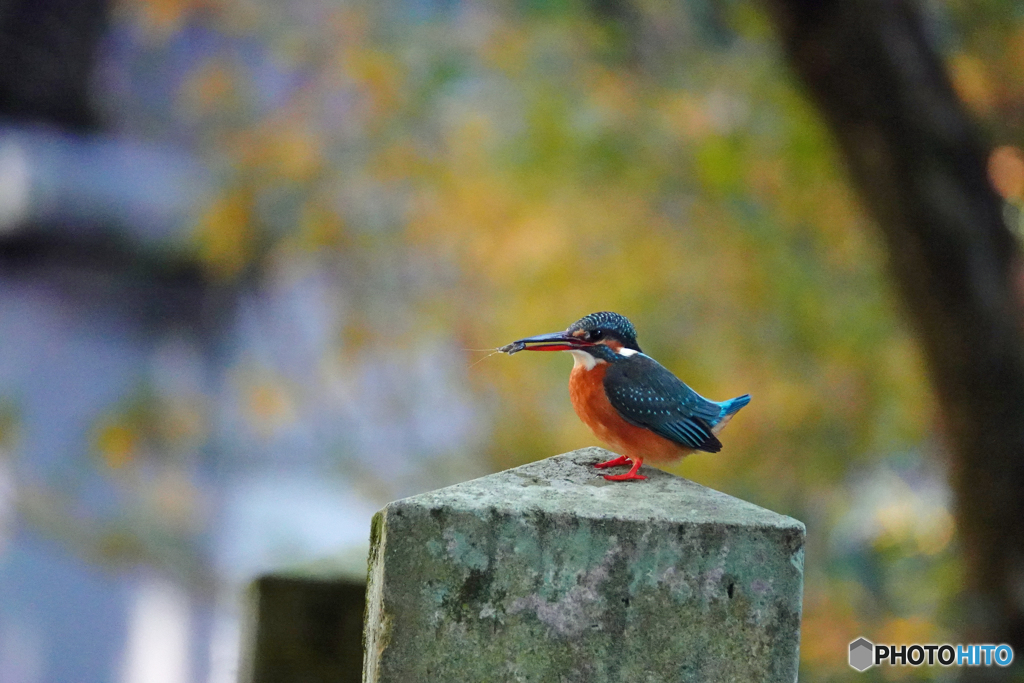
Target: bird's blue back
{"x":648,"y":395}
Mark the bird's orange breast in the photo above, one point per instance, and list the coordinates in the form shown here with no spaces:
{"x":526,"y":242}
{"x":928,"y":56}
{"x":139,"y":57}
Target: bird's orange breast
{"x":586,"y":391}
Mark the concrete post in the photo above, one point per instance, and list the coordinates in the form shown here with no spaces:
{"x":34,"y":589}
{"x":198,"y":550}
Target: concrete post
{"x":547,"y":572}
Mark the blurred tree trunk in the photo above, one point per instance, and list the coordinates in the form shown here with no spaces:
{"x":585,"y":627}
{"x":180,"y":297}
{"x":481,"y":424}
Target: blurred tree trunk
{"x":921,"y":169}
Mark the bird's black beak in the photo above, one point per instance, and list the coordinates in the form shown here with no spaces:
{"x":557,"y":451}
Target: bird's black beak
{"x":556,"y":341}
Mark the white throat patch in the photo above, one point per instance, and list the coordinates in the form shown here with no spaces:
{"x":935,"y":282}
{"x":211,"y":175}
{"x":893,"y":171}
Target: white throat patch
{"x":582,"y":358}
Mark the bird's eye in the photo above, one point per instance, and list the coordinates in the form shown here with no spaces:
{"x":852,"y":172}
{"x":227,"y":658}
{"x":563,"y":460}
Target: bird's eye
{"x":594,"y":335}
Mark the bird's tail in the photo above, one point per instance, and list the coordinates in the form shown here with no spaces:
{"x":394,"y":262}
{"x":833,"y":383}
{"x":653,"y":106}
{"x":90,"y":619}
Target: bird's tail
{"x":733,"y":405}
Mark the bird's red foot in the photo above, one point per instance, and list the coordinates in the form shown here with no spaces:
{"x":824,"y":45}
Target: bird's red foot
{"x":614,"y":462}
{"x":632,"y":474}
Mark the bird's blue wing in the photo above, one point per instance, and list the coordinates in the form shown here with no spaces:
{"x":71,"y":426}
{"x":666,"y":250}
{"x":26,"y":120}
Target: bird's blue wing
{"x":647,"y":395}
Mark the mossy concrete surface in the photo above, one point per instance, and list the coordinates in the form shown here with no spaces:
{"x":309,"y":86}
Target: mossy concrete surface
{"x":550,"y":573}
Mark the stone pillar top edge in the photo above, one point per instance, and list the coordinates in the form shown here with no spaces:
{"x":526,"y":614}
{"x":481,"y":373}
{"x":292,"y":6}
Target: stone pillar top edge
{"x":569,"y":484}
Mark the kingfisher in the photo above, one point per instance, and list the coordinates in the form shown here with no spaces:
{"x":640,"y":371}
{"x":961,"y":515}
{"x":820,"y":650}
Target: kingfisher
{"x":629,"y":400}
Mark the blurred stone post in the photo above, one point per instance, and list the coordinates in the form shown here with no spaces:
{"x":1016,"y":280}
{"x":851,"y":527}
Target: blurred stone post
{"x":548,"y":572}
{"x":306,"y":629}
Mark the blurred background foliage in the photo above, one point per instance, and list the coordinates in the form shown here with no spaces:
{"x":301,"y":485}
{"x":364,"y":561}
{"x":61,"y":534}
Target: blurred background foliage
{"x":487,"y":172}
{"x":471,"y":173}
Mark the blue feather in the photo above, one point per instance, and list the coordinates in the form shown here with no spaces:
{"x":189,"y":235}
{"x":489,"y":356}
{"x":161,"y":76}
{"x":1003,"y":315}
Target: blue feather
{"x":732,"y":406}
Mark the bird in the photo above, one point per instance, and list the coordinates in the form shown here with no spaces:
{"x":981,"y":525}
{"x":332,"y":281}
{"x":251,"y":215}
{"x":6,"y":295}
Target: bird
{"x":629,"y":400}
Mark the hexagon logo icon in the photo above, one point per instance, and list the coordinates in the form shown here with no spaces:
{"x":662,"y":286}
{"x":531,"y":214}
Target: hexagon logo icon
{"x":862,"y":654}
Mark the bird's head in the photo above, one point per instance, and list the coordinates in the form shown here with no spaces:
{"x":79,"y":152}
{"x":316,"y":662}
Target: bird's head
{"x":597,"y":334}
